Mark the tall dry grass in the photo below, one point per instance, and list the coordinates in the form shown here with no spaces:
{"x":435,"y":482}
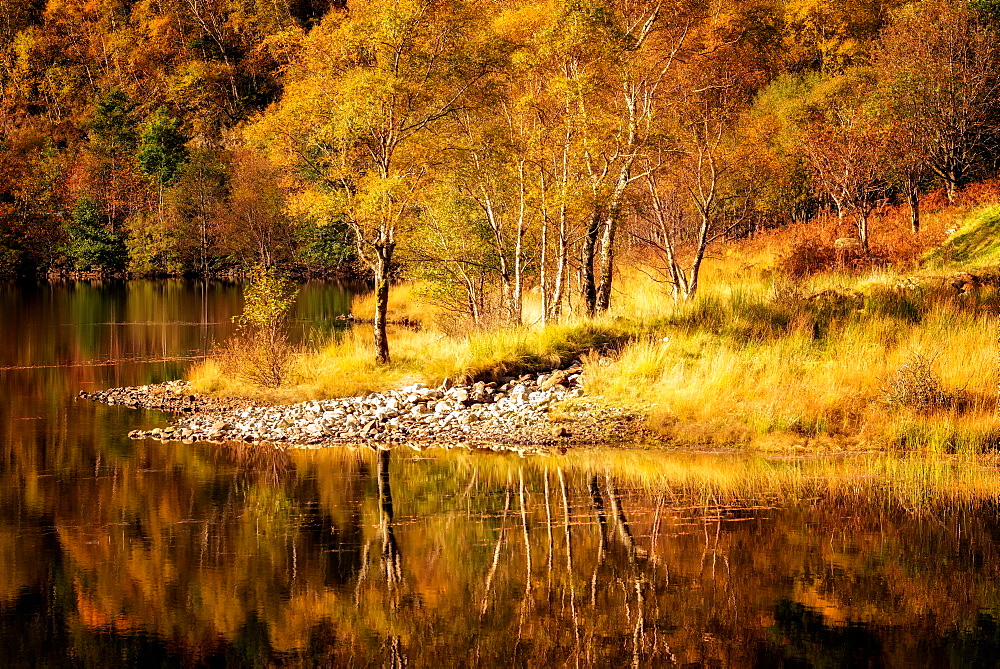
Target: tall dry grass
{"x":759,"y":358}
{"x":346,"y":365}
{"x":756,"y":365}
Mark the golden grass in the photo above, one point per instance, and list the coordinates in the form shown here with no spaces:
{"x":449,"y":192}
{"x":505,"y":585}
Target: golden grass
{"x":346,"y":366}
{"x":407,"y":304}
{"x":744,"y":366}
{"x":751,"y":361}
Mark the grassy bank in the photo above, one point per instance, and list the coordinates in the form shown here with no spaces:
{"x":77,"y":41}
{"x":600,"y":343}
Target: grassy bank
{"x":891,"y":355}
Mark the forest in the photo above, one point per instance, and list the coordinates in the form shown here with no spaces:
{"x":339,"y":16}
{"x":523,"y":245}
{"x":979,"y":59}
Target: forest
{"x":707,"y":199}
{"x":486,"y":148}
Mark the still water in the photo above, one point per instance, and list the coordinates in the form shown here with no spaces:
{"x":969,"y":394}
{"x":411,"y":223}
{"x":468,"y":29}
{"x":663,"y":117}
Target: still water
{"x":115,"y":552}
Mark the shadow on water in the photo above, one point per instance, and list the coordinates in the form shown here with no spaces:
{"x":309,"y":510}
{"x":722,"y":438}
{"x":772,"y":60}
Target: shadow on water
{"x":119,"y":552}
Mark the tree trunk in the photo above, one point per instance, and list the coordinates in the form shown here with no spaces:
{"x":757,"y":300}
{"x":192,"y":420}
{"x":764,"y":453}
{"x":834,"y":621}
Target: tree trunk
{"x":562,"y":261}
{"x":952,"y":186}
{"x":384,"y":259}
{"x":913,"y":199}
{"x":691,"y":286}
{"x":607,"y":263}
{"x":516,"y":299}
{"x":862,"y":224}
{"x":589,"y":287}
{"x":543,"y":262}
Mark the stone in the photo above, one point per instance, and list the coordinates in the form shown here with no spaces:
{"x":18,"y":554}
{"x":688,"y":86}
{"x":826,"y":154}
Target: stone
{"x":442,"y":407}
{"x":519,"y":393}
{"x":553,"y":379}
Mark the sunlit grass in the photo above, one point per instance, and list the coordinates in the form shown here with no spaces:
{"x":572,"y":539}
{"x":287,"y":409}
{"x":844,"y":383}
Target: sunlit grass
{"x":741,"y":366}
{"x":346,"y":365}
{"x":756,"y":359}
{"x":746,"y":364}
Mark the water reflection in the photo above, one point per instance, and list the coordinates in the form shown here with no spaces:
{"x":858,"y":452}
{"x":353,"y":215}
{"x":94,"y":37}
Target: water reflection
{"x":115,"y":552}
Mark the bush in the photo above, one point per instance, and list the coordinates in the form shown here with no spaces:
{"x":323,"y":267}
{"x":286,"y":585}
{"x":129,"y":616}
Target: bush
{"x":916,"y":386}
{"x":260,"y":351}
{"x":812,"y":256}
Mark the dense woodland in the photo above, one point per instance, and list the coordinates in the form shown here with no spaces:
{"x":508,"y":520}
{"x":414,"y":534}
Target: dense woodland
{"x":488,"y":147}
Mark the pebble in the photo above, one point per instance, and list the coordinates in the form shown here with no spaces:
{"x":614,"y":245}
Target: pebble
{"x":513,"y":414}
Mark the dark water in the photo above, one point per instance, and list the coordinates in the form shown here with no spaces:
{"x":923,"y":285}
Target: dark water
{"x":115,"y":552}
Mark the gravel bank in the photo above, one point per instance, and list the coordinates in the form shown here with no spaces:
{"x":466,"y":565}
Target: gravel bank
{"x":517,"y":414}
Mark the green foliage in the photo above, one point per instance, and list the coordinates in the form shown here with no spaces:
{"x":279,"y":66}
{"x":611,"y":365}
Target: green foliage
{"x":91,"y":245}
{"x":975,"y":244}
{"x":113,"y":127}
{"x":988,"y":8}
{"x":162,"y":151}
{"x":267,"y":300}
{"x":153,"y":246}
{"x":326,"y":246}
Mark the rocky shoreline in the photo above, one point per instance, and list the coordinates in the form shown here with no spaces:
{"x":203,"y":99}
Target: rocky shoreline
{"x":530,"y":412}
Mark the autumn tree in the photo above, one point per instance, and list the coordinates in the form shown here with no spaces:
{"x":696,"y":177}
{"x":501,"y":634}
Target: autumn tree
{"x":831,"y":35}
{"x":939,"y":63}
{"x":498,"y":173}
{"x":697,"y":188}
{"x":616,"y":60}
{"x":196,"y":201}
{"x":251,"y":223}
{"x":456,"y":256}
{"x":356,"y":122}
{"x":845,"y":144}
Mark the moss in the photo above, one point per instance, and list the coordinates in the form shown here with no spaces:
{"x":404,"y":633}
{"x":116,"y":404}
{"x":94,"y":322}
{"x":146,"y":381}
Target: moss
{"x":975,"y":244}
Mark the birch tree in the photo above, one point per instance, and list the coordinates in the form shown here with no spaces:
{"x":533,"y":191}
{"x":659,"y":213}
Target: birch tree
{"x":358,"y":117}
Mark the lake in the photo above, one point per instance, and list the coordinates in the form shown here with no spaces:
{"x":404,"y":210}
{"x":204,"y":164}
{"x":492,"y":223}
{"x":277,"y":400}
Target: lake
{"x":119,"y":552}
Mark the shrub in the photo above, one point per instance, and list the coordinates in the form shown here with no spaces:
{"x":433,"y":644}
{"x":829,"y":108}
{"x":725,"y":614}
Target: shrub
{"x":260,"y":351}
{"x":812,"y":256}
{"x":916,"y":386}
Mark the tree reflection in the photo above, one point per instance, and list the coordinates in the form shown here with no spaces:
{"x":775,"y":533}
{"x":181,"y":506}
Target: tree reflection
{"x":263,"y":556}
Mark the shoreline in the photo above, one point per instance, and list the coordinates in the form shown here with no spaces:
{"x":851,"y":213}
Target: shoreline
{"x":527,"y":414}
